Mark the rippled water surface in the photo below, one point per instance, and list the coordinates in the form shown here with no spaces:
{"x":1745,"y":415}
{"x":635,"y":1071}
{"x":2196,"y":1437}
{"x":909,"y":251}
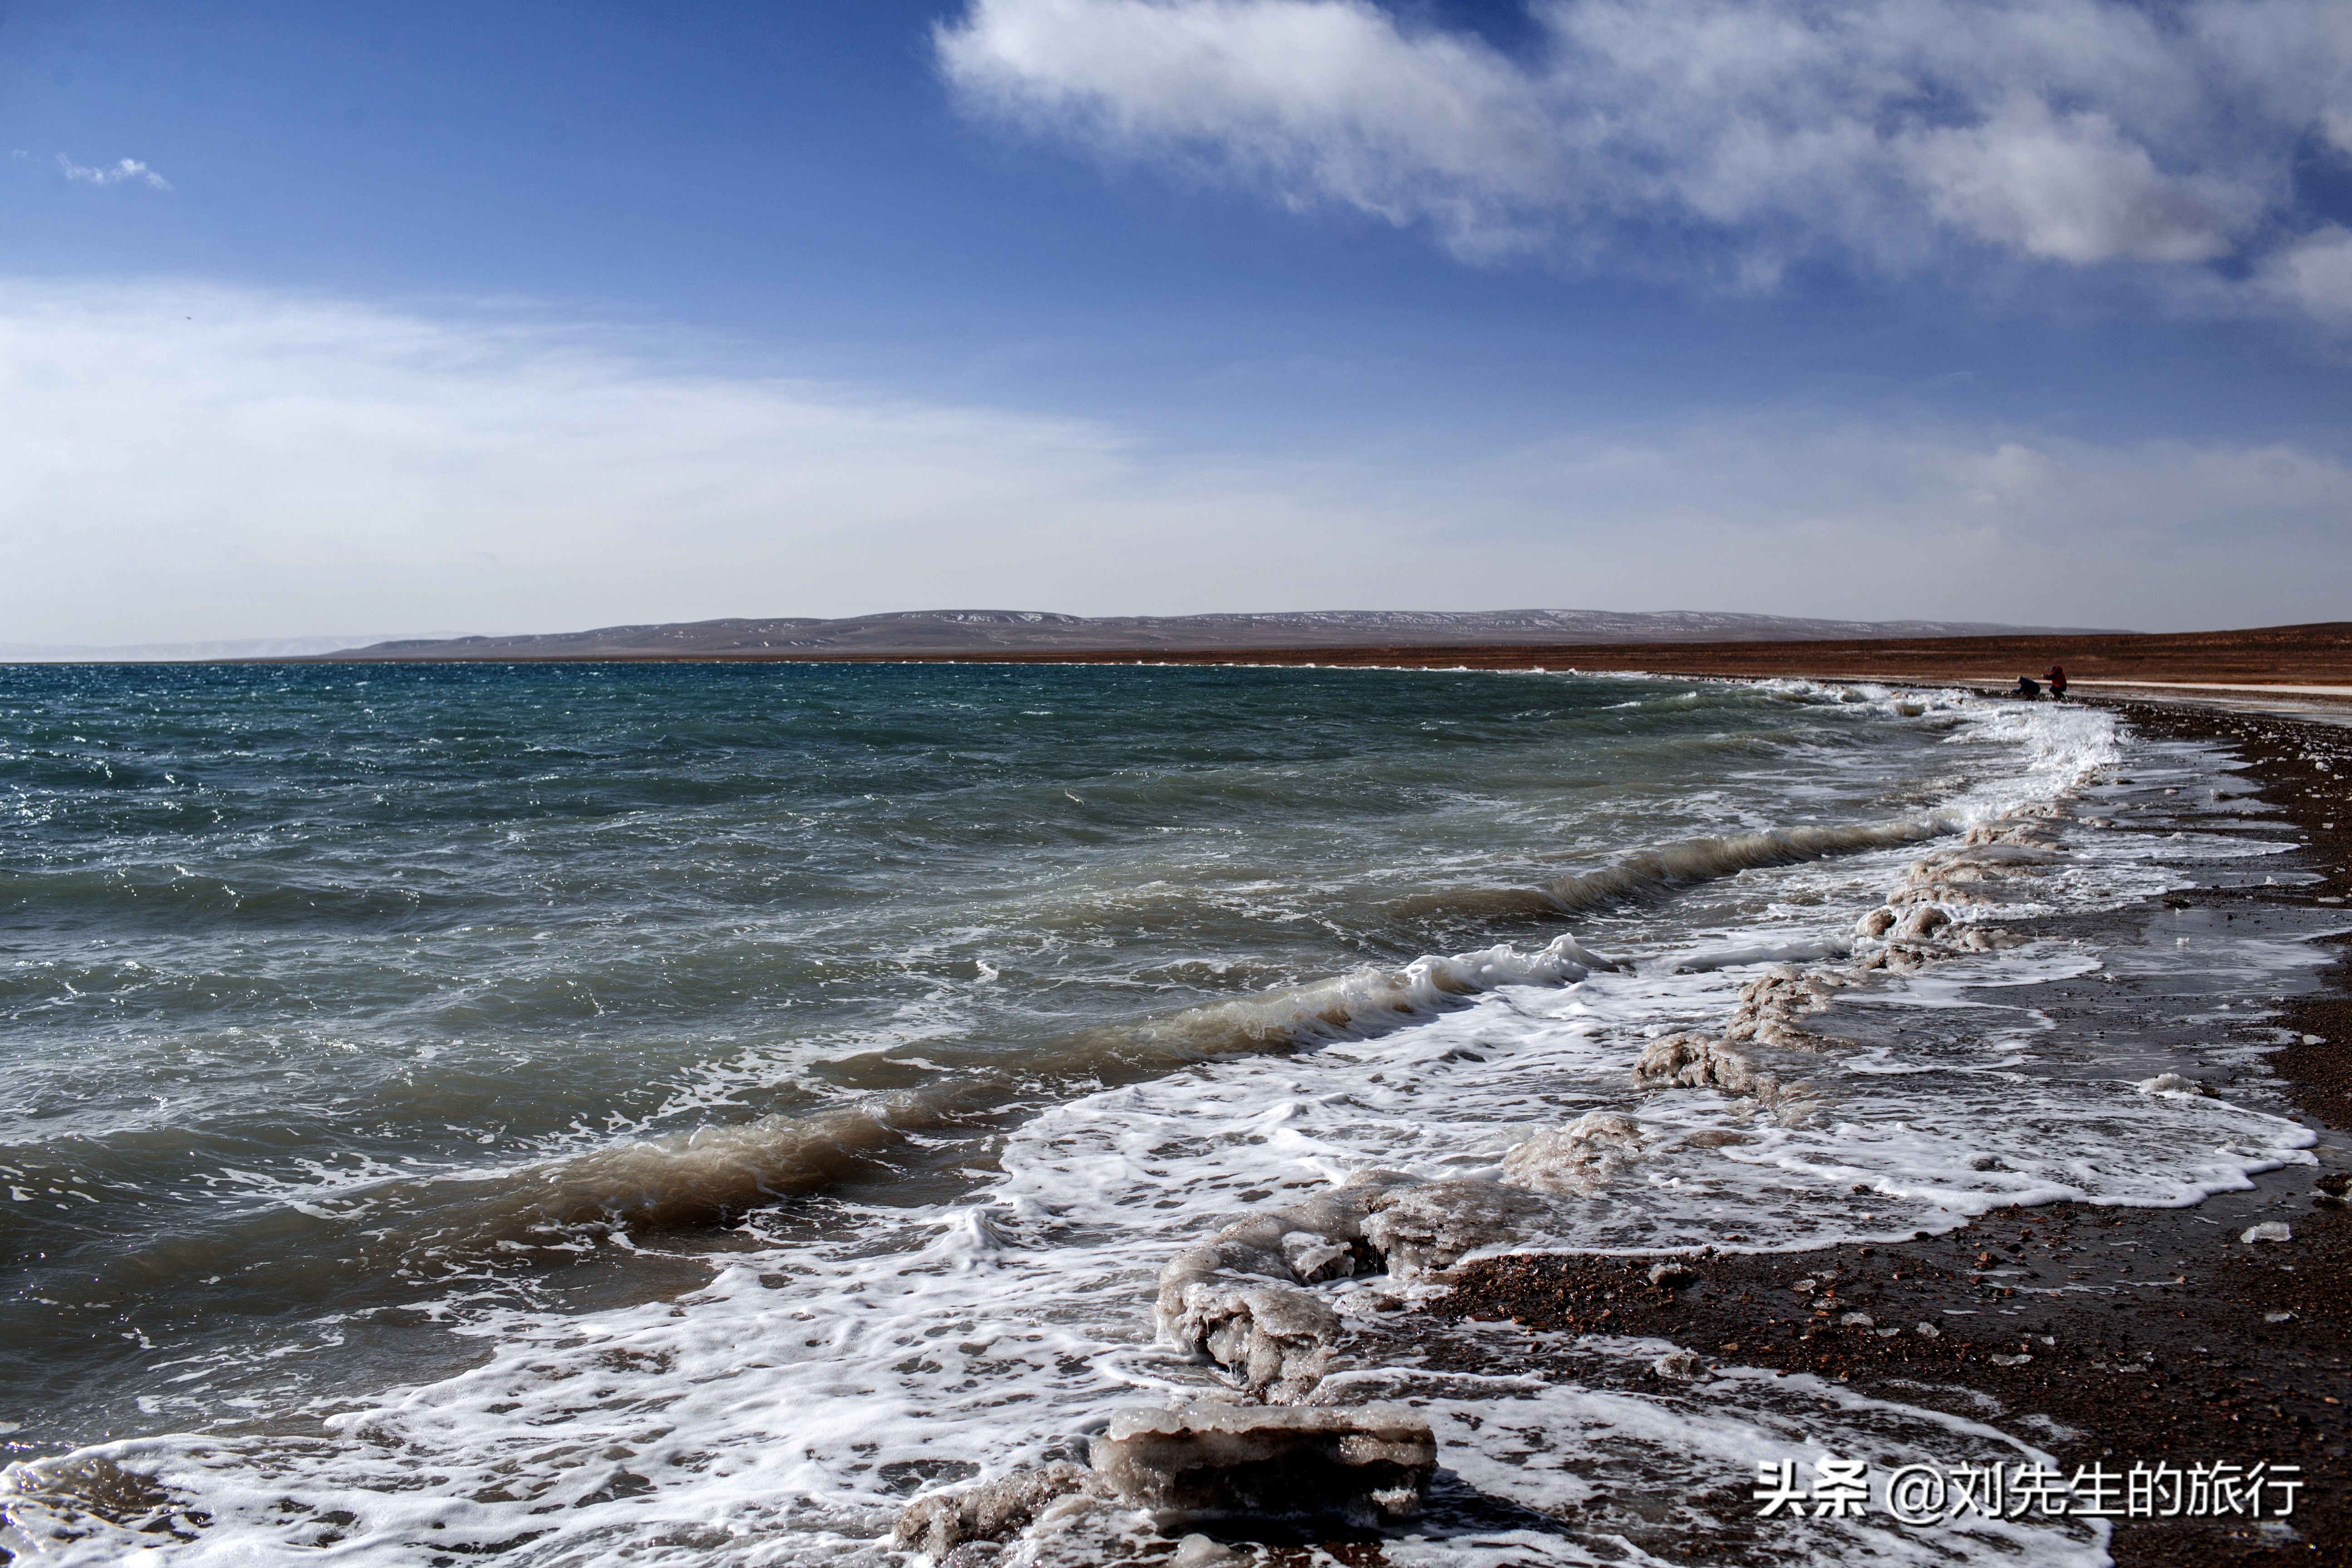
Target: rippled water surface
{"x":364,"y":1022}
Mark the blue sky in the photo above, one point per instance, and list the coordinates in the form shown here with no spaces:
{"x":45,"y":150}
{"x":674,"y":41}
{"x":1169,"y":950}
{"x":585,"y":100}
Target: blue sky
{"x":523,"y":317}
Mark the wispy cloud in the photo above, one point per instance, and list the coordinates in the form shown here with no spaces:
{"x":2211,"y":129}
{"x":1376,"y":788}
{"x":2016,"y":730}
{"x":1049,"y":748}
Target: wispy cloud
{"x":1731,"y":136}
{"x":181,"y":462}
{"x":114,"y":173}
{"x":185,"y":461}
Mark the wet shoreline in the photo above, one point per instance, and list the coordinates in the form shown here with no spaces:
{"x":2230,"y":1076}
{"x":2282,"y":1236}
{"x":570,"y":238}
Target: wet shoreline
{"x":1109,"y":1186}
{"x":2123,"y":1334}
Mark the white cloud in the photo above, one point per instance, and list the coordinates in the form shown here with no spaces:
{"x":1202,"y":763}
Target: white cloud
{"x":2314,"y":275}
{"x":2069,"y":189}
{"x":2075,"y":130}
{"x":113,"y":174}
{"x":181,"y":462}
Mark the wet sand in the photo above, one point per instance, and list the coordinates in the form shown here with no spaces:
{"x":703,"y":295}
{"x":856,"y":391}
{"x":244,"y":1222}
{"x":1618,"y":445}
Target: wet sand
{"x":2148,"y":1334}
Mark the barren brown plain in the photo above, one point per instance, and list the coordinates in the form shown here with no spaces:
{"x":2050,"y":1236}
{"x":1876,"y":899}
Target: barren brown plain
{"x":2319,"y":654}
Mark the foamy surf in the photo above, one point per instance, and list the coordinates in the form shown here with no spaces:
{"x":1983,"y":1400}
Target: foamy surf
{"x":716,"y":1174}
{"x":782,"y":1412}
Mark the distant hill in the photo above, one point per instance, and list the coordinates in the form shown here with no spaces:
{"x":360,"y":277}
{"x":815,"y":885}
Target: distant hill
{"x":985,"y":633}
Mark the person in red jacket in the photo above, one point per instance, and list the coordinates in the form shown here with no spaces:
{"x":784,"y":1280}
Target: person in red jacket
{"x":2057,"y":680}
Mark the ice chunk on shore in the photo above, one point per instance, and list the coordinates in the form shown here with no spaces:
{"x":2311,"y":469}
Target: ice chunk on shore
{"x":1276,"y":1339}
{"x":1367,"y":1465}
{"x":1578,"y":1158}
{"x":1695,"y":1061}
{"x":938,"y":1524}
{"x":1921,"y":922}
{"x":2170,"y":1083}
{"x":1770,"y":1005}
{"x":1201,"y":1551}
{"x":1293,"y":1245}
{"x":1236,"y":1300}
{"x":1315,"y":1258}
{"x":1426,"y":1230}
{"x":1683,"y":1364}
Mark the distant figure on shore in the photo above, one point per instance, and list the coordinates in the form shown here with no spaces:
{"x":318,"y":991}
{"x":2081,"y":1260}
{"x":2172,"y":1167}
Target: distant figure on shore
{"x":2027,"y":688}
{"x":2057,"y":680}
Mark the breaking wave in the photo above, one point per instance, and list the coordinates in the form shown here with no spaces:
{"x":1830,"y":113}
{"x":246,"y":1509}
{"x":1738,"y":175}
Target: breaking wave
{"x":1651,"y":873}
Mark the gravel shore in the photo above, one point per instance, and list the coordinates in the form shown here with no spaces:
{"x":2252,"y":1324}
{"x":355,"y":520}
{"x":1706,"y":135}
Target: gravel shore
{"x":2111,"y":1339}
{"x":2105,"y":1334}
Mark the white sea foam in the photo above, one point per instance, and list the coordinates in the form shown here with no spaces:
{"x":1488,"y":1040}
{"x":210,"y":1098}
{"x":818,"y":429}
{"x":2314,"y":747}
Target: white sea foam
{"x":778,"y":1414}
{"x":1542,"y":1445}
